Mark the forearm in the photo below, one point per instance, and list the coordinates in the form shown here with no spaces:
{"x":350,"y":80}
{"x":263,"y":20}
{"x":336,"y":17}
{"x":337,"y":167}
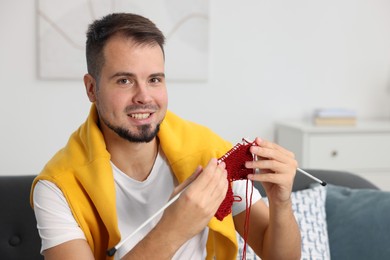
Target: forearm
{"x":282,"y":236}
{"x":160,"y":243}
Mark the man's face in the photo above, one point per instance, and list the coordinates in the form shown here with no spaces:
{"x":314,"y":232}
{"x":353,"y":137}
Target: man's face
{"x":131,"y":96}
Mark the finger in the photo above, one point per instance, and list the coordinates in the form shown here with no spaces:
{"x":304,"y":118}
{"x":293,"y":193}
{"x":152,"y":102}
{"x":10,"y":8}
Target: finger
{"x":270,"y":166}
{"x":273,"y":166}
{"x":281,"y":180}
{"x":214,"y":175}
{"x":211,"y":174}
{"x":213,"y":167}
{"x":265,"y":177}
{"x":214,"y":178}
{"x":273,"y":146}
{"x":270,"y":154}
{"x":282,"y":165}
{"x":187,"y":181}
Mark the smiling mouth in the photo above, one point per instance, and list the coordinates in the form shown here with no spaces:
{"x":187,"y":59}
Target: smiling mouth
{"x":140,"y":115}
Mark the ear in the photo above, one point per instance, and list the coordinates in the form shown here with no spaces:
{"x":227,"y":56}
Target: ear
{"x":90,"y":87}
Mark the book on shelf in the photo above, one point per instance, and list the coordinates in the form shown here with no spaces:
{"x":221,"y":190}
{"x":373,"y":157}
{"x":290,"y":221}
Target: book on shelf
{"x":335,"y":113}
{"x":334,"y":116}
{"x":346,"y":121}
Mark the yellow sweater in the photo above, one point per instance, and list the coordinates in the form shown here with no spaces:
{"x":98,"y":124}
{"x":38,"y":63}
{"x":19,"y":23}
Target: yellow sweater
{"x":82,"y":171}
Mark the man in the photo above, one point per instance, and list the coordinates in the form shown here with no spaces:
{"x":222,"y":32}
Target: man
{"x":132,"y":155}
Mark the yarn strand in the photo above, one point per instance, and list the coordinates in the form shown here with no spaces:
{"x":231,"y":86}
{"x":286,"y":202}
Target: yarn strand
{"x":235,"y":160}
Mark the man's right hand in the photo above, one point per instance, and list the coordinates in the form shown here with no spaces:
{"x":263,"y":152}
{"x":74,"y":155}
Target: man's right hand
{"x":205,"y":191}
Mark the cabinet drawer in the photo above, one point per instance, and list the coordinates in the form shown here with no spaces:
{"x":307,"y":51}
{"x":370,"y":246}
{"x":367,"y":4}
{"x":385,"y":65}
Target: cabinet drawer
{"x":349,"y":151}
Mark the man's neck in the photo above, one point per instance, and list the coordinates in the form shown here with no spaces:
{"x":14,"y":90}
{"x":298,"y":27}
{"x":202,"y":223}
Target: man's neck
{"x":134,"y":159}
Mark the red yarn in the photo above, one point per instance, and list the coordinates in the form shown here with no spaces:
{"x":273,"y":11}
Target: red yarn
{"x":247,"y":216}
{"x":235,"y":160}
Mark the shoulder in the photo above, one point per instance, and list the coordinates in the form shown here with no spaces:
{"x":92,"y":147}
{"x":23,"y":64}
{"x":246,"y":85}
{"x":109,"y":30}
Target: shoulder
{"x":53,"y":215}
{"x":186,"y":136}
{"x":173,"y":122}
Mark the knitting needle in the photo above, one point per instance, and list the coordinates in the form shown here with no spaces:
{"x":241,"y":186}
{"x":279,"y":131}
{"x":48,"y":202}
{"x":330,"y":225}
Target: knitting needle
{"x":113,"y":250}
{"x":312,"y":177}
{"x":257,"y":170}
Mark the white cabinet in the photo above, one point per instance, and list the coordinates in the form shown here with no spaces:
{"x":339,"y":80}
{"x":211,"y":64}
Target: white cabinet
{"x":363,"y":149}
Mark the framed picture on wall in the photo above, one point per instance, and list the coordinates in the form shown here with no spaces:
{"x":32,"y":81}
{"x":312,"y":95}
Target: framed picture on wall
{"x":62,"y":26}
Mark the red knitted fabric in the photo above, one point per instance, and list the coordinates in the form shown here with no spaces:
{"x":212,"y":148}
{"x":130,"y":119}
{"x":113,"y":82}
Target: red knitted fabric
{"x":235,"y":160}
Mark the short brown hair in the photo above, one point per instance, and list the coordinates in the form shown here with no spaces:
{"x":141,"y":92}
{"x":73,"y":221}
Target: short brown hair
{"x":139,"y":28}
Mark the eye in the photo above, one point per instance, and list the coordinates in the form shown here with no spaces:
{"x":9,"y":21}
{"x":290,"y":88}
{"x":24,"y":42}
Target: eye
{"x":125,"y":81}
{"x":155,"y":80}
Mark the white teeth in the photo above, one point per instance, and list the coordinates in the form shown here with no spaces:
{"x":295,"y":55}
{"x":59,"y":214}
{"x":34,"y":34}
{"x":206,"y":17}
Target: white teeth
{"x":140,"y":116}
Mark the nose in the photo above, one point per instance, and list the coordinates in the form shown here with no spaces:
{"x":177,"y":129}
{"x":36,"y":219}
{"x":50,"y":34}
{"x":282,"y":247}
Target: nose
{"x":142,"y":95}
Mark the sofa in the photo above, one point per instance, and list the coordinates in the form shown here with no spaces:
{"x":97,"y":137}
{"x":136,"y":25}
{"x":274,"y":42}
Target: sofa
{"x":19,"y":237}
{"x":362,"y":230}
{"x":347,"y":219}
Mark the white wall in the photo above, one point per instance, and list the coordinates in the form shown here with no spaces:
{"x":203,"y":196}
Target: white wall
{"x":269,"y":60}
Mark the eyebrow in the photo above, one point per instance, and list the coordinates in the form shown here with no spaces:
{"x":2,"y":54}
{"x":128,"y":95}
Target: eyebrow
{"x":121,"y":74}
{"x":129,"y":74}
{"x":161,"y":74}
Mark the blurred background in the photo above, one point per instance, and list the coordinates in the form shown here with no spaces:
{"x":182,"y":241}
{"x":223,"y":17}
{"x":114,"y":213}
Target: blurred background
{"x":266,"y":61}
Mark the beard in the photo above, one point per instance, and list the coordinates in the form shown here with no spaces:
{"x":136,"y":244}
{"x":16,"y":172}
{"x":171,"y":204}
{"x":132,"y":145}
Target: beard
{"x":145,"y":133}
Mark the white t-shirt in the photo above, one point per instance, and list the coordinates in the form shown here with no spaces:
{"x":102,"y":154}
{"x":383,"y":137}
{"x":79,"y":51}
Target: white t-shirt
{"x":136,"y":202}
